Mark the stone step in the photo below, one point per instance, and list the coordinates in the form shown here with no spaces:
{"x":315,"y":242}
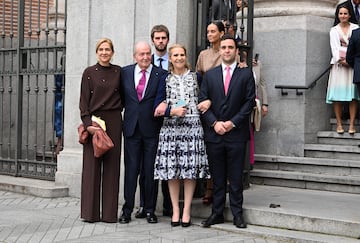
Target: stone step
{"x":337,"y":167}
{"x":286,"y":235}
{"x":332,"y":137}
{"x":320,"y":213}
{"x":39,"y":188}
{"x":349,"y":184}
{"x":345,"y":152}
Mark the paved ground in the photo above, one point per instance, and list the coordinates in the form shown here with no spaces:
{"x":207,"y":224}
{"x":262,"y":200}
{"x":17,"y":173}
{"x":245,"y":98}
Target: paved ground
{"x":25,"y":218}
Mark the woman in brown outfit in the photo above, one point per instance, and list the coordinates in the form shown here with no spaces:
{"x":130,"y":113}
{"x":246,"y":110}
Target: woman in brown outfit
{"x":208,"y":59}
{"x":100,"y":96}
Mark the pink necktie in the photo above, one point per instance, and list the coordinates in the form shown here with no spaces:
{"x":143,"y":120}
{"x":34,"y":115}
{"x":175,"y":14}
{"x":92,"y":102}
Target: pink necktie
{"x":141,"y":85}
{"x":227,"y":79}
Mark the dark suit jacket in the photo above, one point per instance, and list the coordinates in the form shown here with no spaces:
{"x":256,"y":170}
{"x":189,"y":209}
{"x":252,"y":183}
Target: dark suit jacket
{"x":353,"y":54}
{"x":220,"y":11}
{"x":348,"y":3}
{"x":235,"y":106}
{"x":136,"y":112}
{"x":152,"y":60}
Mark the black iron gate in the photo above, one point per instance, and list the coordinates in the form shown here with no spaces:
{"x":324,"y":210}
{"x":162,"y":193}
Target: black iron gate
{"x":238,"y":18}
{"x":32,"y":68}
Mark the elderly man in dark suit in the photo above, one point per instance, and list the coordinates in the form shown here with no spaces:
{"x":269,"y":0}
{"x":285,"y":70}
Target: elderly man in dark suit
{"x":231,"y":91}
{"x":160,"y":38}
{"x":140,"y":129}
{"x":353,"y":56}
{"x":353,"y":6}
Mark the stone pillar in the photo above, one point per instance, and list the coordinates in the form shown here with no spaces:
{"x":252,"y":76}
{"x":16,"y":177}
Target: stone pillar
{"x":125,"y":22}
{"x":292,"y":38}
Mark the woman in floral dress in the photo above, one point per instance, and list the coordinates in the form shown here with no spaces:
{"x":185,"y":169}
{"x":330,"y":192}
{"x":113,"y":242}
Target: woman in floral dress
{"x":181,"y":154}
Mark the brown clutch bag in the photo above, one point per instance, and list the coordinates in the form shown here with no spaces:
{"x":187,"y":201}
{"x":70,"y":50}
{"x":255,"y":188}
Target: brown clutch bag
{"x":101,"y":141}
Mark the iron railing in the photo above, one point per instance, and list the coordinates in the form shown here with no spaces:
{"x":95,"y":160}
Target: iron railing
{"x":302,"y":87}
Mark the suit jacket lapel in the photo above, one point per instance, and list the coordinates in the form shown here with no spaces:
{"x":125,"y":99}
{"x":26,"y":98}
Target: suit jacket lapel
{"x":233,"y":79}
{"x":132,"y":84}
{"x":152,"y":82}
{"x":220,"y":80}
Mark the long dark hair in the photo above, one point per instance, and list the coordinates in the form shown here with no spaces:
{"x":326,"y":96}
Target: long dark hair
{"x":343,"y":5}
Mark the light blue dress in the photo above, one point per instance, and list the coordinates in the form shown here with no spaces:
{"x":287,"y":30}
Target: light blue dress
{"x":340,"y":84}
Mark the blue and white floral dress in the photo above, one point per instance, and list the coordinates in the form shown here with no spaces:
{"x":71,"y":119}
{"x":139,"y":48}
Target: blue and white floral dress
{"x":181,"y":152}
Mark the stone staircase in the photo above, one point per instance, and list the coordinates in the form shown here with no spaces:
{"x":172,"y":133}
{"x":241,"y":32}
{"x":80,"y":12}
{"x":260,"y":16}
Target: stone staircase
{"x":332,"y":164}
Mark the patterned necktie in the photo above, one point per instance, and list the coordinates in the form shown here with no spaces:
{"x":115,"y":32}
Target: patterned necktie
{"x":227,"y":79}
{"x":160,"y":61}
{"x":141,"y":85}
{"x":356,"y":12}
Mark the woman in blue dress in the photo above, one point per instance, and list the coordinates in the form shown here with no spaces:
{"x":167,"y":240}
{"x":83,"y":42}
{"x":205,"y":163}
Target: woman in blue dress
{"x":340,"y":85}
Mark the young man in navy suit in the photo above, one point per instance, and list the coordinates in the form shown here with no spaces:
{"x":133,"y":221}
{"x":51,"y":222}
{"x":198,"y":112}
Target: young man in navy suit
{"x":140,"y":129}
{"x":231,"y":91}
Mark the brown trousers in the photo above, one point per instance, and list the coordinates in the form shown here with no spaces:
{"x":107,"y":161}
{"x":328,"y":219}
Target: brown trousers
{"x":105,"y":170}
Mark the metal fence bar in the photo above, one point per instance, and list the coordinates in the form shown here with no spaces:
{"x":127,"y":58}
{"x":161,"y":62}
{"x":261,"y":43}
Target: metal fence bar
{"x":2,"y":82}
{"x":20,"y":43}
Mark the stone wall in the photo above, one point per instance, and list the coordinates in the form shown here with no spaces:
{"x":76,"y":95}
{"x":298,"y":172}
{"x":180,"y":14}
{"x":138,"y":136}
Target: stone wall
{"x":292,"y":38}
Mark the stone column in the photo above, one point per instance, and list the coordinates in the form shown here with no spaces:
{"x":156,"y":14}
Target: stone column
{"x":292,"y":38}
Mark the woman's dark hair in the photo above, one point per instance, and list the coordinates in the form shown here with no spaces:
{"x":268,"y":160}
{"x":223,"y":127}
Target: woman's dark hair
{"x":219,"y":25}
{"x":344,"y":5}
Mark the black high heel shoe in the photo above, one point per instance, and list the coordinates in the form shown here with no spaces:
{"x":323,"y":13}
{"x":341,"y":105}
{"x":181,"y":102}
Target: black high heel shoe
{"x":186,"y":224}
{"x":175,"y":223}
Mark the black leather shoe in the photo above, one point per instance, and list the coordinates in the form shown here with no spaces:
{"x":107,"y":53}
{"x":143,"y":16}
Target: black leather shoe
{"x":239,"y":222}
{"x":213,"y":219}
{"x":151,"y":218}
{"x":124,"y":219}
{"x":140,"y":214}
